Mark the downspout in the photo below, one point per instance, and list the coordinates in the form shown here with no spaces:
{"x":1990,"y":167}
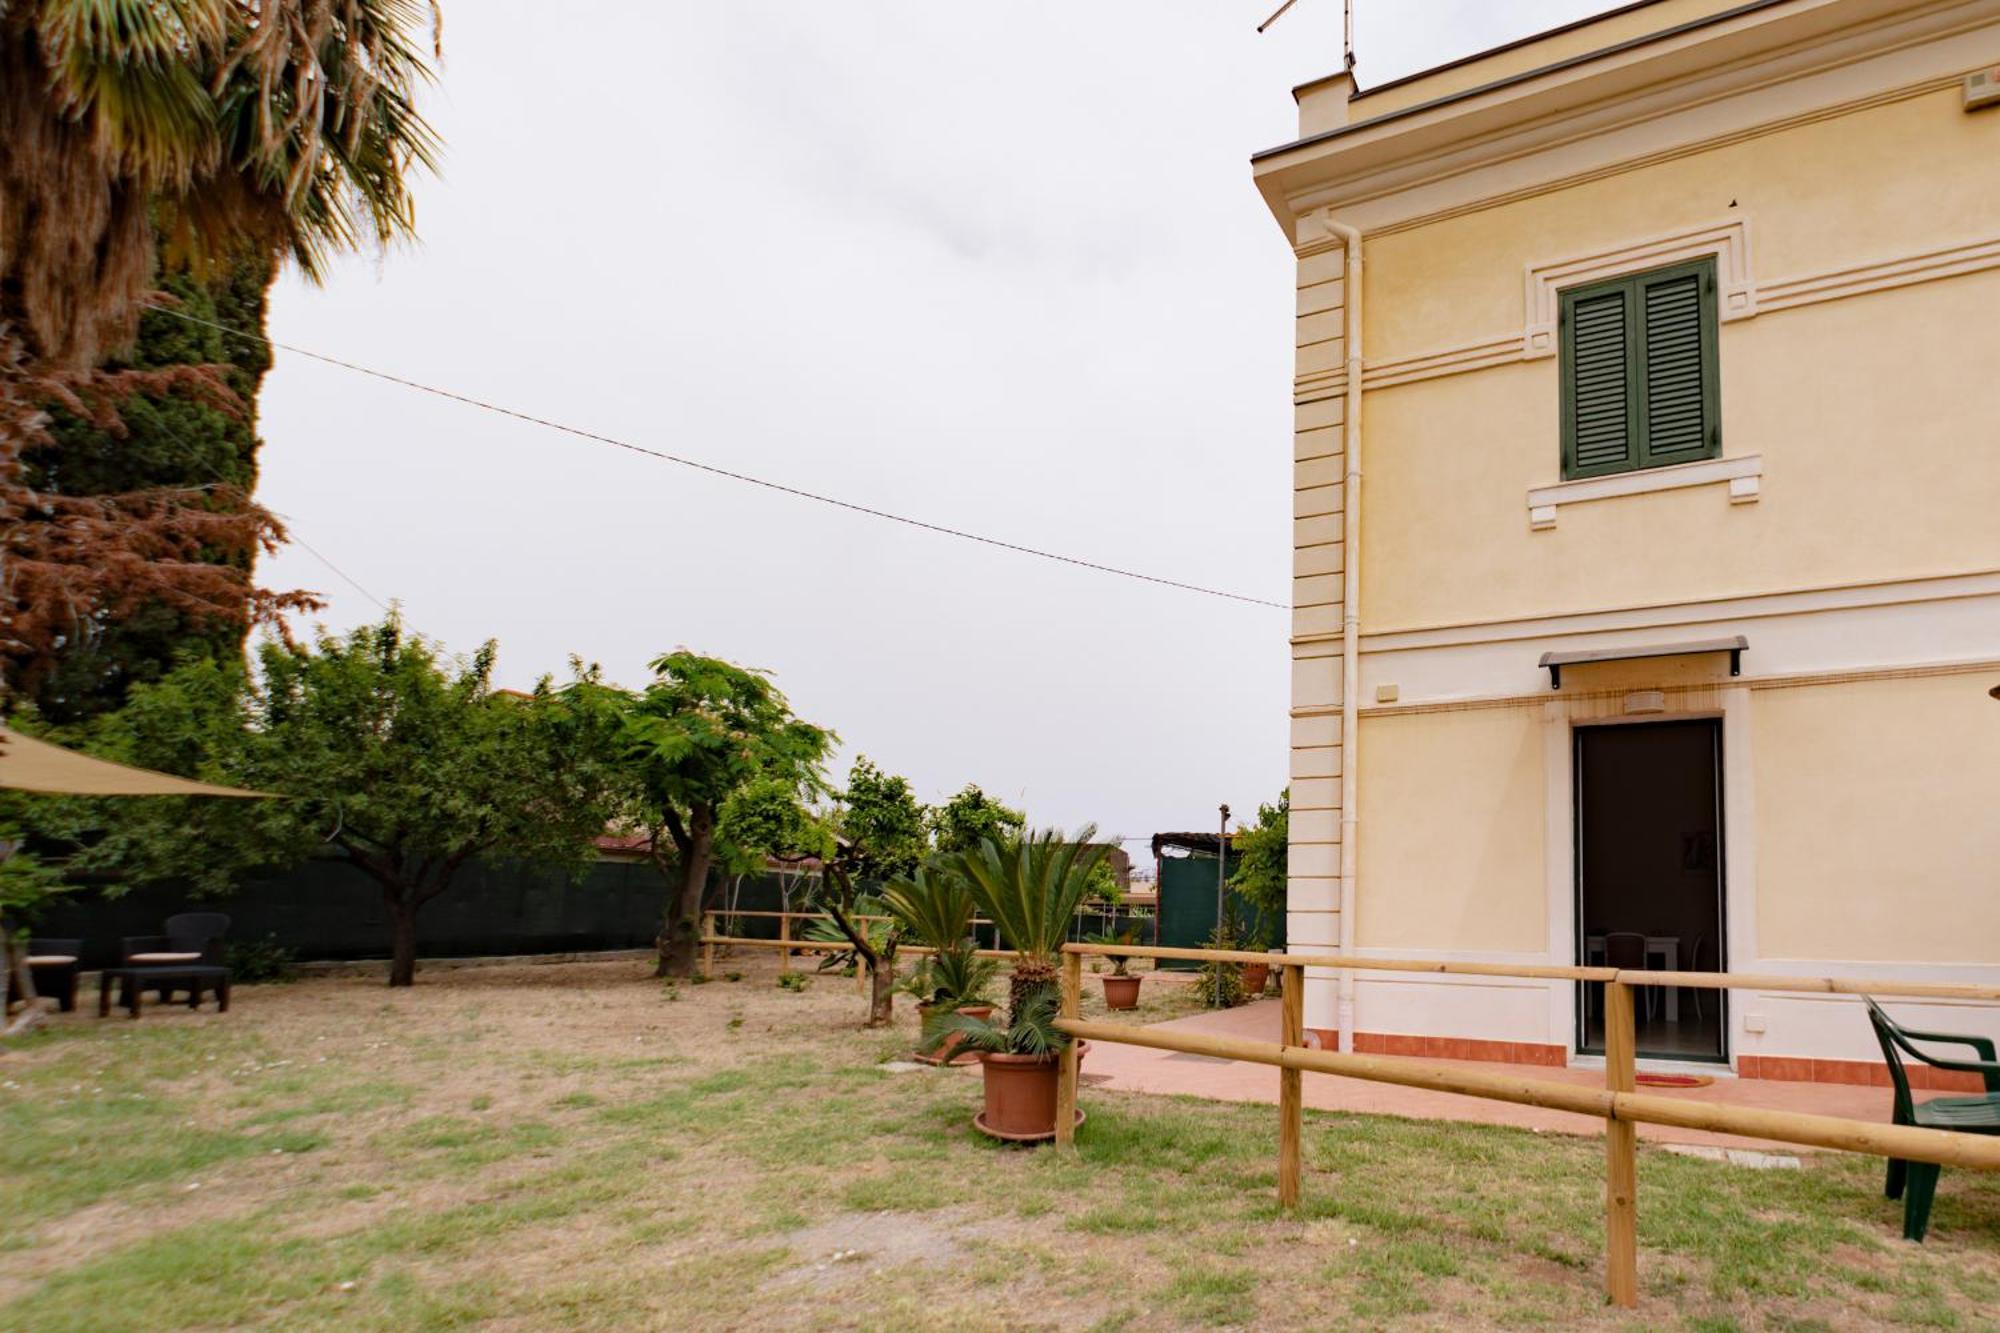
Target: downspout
{"x":1350,"y":635}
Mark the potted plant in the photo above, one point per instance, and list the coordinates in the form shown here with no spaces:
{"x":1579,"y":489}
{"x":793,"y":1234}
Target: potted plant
{"x":933,"y":906}
{"x":951,"y":981}
{"x":1029,"y":886}
{"x":1256,"y":976}
{"x":1121,"y":988}
{"x":1262,"y":873}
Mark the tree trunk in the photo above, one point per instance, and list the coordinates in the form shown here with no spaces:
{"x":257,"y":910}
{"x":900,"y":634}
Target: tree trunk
{"x":31,"y":1013}
{"x":680,"y":933}
{"x":882,"y":991}
{"x":403,"y":946}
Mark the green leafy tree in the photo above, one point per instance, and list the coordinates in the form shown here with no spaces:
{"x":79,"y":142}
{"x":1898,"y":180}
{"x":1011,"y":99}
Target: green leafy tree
{"x":406,"y":763}
{"x":705,"y":733}
{"x":970,"y":818}
{"x":1262,"y":867}
{"x":881,"y":818}
{"x":875,"y":830}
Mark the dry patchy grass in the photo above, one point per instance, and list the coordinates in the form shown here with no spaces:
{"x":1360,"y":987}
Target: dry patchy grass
{"x":579,"y":1146}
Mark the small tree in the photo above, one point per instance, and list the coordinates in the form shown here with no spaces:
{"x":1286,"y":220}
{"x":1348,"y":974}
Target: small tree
{"x":970,"y":818}
{"x":1262,"y":867}
{"x":406,"y":763}
{"x":875,"y":832}
{"x":703,"y":732}
{"x":845,"y":898}
{"x":884,"y":822}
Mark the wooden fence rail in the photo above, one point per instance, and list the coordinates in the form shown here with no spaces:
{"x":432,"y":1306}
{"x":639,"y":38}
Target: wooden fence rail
{"x":1622,"y":1108}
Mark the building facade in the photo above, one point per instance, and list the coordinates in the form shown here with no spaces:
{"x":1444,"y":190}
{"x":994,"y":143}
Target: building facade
{"x":1647,"y":526}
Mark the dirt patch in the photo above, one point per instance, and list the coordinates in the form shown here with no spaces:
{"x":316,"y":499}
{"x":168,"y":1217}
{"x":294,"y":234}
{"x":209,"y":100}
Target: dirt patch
{"x":855,"y":1244}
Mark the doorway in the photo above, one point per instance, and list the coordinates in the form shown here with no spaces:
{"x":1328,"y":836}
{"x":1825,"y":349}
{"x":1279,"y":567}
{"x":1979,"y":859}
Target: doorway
{"x":1649,"y":885}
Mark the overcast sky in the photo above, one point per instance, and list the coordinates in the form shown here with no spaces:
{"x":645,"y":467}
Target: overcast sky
{"x":994,"y":265}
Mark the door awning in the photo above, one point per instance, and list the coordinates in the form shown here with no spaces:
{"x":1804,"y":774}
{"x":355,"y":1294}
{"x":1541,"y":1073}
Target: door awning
{"x":27,"y":764}
{"x":1735,"y":645}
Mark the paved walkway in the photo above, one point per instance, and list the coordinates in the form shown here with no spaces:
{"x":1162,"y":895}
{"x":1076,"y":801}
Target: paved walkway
{"x":1139,"y":1069}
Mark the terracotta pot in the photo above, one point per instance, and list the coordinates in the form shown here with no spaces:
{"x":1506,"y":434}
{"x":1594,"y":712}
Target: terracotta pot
{"x":948,"y":1052}
{"x":1020,"y":1096}
{"x":1256,"y":976}
{"x":1121,"y":992}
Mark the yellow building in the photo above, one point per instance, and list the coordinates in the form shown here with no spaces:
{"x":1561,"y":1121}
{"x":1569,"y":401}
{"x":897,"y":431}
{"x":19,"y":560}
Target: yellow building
{"x":1647,"y":525}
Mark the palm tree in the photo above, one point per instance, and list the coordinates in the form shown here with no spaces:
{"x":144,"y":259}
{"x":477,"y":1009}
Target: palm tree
{"x":207,"y":129}
{"x":1030,"y":886}
{"x":280,"y":126}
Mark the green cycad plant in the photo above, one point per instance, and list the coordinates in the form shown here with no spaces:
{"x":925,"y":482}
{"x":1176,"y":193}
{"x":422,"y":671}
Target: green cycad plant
{"x":1029,"y":886}
{"x":933,"y":907}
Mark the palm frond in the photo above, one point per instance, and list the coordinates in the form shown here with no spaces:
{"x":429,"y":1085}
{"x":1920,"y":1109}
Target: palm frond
{"x":933,"y":905}
{"x":1031,"y":885}
{"x":1030,"y":1031}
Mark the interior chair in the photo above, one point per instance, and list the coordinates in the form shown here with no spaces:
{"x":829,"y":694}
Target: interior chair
{"x":1626,"y":951}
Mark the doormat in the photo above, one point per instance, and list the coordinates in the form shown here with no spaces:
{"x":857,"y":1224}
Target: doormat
{"x":1673,"y":1080}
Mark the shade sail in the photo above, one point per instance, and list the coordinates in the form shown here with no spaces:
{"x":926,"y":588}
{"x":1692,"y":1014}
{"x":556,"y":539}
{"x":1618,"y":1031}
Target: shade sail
{"x":27,"y":764}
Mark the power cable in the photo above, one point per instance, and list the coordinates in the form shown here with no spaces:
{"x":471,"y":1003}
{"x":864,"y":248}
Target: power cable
{"x":713,"y":470}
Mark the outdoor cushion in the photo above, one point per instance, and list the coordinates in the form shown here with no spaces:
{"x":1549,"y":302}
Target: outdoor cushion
{"x":142,"y":959}
{"x":51,"y":959}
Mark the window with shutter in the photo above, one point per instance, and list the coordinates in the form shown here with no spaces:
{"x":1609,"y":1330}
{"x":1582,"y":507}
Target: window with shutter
{"x":1639,"y":372}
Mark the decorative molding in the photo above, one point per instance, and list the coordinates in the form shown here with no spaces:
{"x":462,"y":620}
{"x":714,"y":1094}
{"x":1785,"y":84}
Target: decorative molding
{"x":1418,"y":172}
{"x":1678,"y":701}
{"x":1742,"y":298}
{"x":1944,"y":262}
{"x":1727,"y":242}
{"x":1453,"y":361}
{"x":1804,"y":601}
{"x":1744,"y":474}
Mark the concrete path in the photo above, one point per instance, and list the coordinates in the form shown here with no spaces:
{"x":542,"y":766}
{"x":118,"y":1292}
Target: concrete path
{"x":1139,"y":1069}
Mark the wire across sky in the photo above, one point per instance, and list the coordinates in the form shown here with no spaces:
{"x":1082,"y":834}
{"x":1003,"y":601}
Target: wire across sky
{"x":713,"y":470}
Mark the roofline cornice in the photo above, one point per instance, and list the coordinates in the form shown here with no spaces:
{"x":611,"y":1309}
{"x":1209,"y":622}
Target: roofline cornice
{"x":1739,"y":51}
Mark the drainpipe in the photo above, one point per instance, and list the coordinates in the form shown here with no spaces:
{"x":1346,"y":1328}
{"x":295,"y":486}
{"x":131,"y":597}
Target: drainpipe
{"x":1350,"y":635}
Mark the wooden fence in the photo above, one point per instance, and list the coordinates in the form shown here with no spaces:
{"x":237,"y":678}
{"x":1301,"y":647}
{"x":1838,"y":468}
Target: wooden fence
{"x":1622,"y":1108}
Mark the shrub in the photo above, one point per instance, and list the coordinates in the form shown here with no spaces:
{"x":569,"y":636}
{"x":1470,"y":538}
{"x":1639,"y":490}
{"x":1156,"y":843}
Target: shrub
{"x":252,"y":961}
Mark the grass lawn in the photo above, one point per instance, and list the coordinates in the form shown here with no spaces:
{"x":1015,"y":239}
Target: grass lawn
{"x":581,"y":1146}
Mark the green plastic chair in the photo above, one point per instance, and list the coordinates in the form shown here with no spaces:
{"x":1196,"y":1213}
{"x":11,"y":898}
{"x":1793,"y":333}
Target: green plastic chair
{"x":1916,"y":1182}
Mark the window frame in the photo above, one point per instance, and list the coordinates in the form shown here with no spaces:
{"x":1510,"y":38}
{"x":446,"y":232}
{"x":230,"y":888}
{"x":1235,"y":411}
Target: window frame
{"x":1636,"y":352}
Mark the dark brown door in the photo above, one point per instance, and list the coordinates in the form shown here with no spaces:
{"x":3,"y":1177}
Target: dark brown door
{"x":1649,"y":884}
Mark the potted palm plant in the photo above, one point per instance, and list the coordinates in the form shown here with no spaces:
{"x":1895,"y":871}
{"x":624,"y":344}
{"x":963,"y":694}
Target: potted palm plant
{"x":1029,"y":885}
{"x":1121,"y":988}
{"x":933,"y":906}
{"x":952,"y":980}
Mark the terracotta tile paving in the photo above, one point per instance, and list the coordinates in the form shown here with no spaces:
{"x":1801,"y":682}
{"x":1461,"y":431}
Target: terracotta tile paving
{"x":1138,"y":1069}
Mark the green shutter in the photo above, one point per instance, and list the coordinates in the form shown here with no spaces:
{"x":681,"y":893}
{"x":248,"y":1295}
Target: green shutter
{"x":1678,"y":308}
{"x":1598,"y":374}
{"x":1639,"y":373}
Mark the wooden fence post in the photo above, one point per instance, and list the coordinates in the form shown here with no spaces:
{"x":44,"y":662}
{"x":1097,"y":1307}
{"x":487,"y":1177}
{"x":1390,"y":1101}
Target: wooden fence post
{"x":1291,"y":1092}
{"x":1621,"y":1165}
{"x":785,"y":937}
{"x":708,"y":950}
{"x":1072,"y":1007}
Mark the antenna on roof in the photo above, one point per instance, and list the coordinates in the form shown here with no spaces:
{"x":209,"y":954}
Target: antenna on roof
{"x":1346,"y":31}
{"x":1276,"y":15}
